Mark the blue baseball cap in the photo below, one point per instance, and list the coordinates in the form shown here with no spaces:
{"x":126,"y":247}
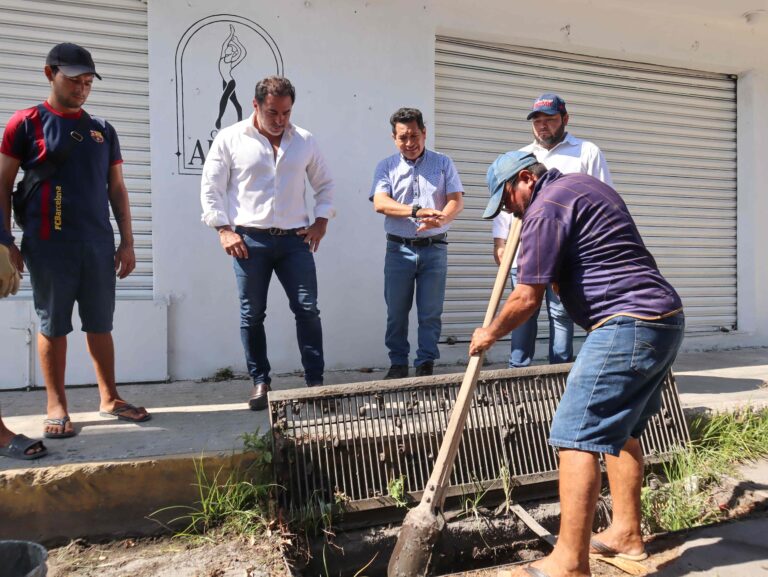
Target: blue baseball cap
{"x":548,"y":103}
{"x":504,"y":168}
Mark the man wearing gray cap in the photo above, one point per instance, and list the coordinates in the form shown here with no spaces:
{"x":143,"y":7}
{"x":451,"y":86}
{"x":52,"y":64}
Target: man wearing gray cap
{"x":578,"y":235}
{"x":556,"y":148}
{"x":72,"y":175}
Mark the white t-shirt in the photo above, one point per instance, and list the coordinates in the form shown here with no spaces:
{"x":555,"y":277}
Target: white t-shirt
{"x":569,"y":156}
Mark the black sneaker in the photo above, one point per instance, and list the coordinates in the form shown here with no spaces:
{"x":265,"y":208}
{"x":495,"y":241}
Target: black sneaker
{"x":397,"y":372}
{"x":426,"y":369}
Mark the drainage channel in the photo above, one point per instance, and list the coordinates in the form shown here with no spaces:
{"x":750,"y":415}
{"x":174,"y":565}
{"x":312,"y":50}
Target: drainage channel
{"x":357,"y":453}
{"x":472,"y":540}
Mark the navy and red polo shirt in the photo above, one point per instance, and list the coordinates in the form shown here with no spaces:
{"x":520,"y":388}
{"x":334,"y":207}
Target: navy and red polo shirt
{"x":577,"y":232}
{"x":74,"y":203}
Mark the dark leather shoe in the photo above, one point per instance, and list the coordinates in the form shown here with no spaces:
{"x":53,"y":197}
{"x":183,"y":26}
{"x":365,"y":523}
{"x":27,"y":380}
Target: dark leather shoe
{"x":425,"y":369}
{"x":258,"y":399}
{"x":397,"y":372}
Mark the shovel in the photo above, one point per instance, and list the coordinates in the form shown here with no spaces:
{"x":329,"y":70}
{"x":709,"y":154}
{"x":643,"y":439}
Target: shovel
{"x":424,"y":523}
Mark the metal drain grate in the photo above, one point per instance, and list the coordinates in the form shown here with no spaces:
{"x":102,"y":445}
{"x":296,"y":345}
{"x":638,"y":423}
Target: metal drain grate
{"x":347,"y":442}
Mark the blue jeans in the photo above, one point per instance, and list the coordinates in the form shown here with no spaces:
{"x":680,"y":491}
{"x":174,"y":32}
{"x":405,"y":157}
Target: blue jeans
{"x":423,"y":268}
{"x":290,"y":258}
{"x":523,"y":338}
{"x":615,"y":384}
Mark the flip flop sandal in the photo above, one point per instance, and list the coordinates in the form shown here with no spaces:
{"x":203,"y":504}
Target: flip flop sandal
{"x":59,"y":423}
{"x":603,"y":551}
{"x":533,"y":572}
{"x":18,"y":447}
{"x":118,"y":412}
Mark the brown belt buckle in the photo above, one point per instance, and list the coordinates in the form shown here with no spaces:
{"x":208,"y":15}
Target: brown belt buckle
{"x":277,"y":231}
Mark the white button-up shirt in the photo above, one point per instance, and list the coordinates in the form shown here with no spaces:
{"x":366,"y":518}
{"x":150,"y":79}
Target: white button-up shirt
{"x":243,"y":184}
{"x":571,"y":155}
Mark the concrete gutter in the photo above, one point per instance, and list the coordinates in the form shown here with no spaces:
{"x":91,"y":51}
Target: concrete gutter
{"x":108,"y":480}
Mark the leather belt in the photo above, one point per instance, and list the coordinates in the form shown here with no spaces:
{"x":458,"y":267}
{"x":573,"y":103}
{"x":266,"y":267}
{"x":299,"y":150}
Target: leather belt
{"x":273,"y":231}
{"x":424,"y":241}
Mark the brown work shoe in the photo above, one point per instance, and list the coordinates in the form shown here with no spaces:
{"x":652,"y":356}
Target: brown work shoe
{"x":258,"y":399}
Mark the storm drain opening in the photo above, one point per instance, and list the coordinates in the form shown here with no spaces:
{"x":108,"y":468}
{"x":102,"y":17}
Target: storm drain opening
{"x":355,"y":455}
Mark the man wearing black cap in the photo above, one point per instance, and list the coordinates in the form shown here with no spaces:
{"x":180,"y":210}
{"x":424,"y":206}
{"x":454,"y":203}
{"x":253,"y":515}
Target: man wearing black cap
{"x":72,"y":175}
{"x":577,"y":233}
{"x":556,"y":148}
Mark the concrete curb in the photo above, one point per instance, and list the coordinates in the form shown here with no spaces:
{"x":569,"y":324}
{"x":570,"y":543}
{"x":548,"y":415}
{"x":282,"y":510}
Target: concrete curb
{"x":52,"y":505}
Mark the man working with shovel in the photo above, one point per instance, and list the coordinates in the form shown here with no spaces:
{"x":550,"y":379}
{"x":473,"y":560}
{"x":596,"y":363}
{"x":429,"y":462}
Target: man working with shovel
{"x":578,"y":234}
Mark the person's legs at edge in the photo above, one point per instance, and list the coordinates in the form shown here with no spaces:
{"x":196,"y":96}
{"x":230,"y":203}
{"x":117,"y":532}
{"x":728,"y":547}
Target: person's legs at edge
{"x":96,"y":306}
{"x":625,"y":479}
{"x":430,"y":294}
{"x":560,"y":330}
{"x":6,"y":436}
{"x":253,"y":275}
{"x":579,"y":491}
{"x":522,"y":340}
{"x":399,"y":281}
{"x":295,"y":269}
{"x":102,"y":350}
{"x":53,"y":362}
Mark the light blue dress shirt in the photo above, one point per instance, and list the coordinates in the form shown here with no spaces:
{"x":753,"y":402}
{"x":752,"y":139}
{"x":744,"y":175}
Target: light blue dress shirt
{"x":425,"y":181}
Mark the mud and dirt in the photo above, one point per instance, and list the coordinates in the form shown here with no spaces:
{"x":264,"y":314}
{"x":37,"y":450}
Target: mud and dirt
{"x":171,"y":557}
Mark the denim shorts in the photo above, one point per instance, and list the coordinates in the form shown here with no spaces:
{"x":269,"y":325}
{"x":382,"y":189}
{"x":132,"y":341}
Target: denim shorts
{"x":615,"y":385}
{"x":63,"y":273}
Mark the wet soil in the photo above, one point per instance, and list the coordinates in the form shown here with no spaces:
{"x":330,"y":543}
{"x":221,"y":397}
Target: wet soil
{"x":171,"y":557}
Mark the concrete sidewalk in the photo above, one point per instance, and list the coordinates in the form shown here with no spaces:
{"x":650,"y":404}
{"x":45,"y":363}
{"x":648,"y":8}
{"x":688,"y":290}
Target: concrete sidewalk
{"x":195,"y":418}
{"x":113,"y":477}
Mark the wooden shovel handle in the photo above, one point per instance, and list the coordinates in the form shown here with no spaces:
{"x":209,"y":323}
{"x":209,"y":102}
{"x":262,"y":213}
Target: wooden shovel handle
{"x":434,"y":492}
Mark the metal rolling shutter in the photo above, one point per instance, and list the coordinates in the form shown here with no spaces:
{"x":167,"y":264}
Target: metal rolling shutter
{"x":669,"y":136}
{"x":115,"y":32}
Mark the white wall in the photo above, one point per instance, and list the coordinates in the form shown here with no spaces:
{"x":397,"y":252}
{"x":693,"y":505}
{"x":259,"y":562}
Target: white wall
{"x":355,"y":62}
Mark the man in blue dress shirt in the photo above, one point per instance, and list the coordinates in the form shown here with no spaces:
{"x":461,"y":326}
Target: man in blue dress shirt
{"x":420,"y":193}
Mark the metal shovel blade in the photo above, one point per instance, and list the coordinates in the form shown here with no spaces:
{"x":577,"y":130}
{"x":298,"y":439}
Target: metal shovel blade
{"x":420,"y":531}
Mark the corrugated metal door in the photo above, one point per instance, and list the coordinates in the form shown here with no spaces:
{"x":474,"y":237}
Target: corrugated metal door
{"x":669,"y":136}
{"x":115,"y":32}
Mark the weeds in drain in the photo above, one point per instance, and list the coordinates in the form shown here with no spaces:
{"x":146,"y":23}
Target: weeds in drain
{"x":396,"y":490}
{"x":313,"y":518}
{"x":471,"y":502}
{"x":261,"y":445}
{"x":686,"y":497}
{"x":340,"y":497}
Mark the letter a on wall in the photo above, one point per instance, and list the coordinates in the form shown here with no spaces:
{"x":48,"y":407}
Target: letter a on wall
{"x":218,"y":61}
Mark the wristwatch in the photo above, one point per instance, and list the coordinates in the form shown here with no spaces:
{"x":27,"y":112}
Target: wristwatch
{"x":414,"y":209}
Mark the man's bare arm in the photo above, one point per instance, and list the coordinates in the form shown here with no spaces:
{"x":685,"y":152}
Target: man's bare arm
{"x":9,"y":168}
{"x":125,"y":258}
{"x":520,"y":305}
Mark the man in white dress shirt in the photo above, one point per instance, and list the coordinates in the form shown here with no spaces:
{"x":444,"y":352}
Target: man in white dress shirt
{"x":554,"y":148}
{"x":253,"y":194}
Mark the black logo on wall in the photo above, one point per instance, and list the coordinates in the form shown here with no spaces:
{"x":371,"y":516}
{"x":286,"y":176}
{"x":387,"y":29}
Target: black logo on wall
{"x":219,"y":59}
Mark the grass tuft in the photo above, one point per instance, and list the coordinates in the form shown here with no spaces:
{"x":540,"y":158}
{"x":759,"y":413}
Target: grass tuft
{"x":237,"y":503}
{"x":718,"y":443}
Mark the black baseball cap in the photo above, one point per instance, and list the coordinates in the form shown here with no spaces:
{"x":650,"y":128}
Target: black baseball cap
{"x":72,"y":60}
